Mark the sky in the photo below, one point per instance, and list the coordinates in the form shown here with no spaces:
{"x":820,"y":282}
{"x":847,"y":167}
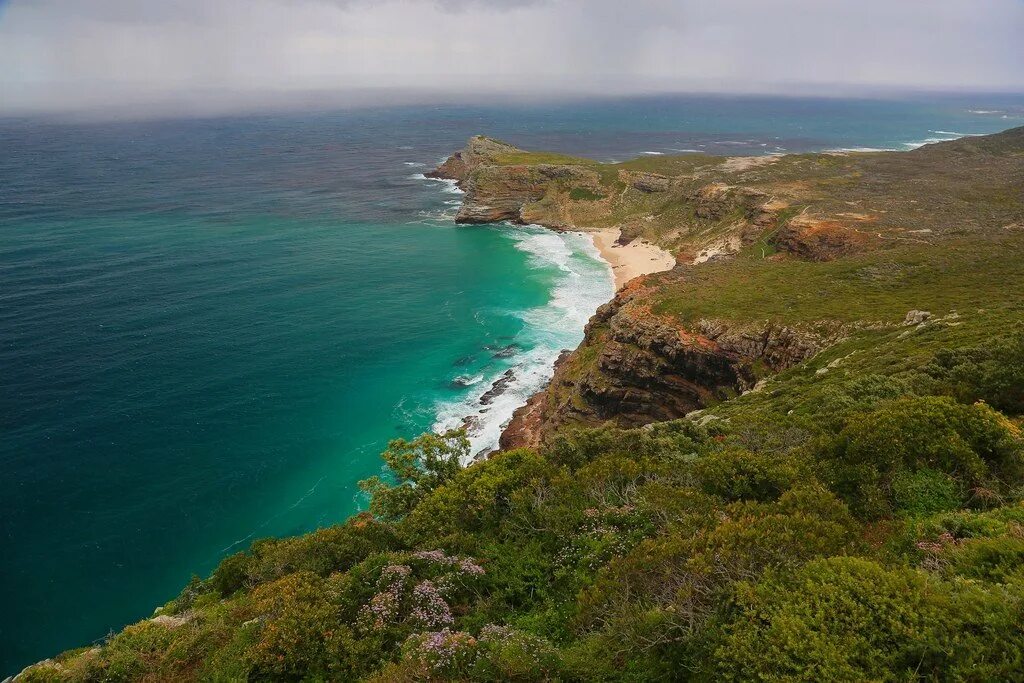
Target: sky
{"x":68,"y":55}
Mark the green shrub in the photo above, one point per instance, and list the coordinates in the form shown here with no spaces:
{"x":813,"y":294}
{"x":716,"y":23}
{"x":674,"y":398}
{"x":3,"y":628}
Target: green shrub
{"x":476,"y":500}
{"x":231,"y":574}
{"x":300,"y":631}
{"x":322,"y":552}
{"x":973,"y":444}
{"x":989,"y":559}
{"x":137,"y":649}
{"x":993,"y":373}
{"x":736,"y":474}
{"x":925,"y":492}
{"x":851,"y":619}
{"x":505,"y":654}
{"x":583,"y":194}
{"x":418,"y":467}
{"x":684,"y":570}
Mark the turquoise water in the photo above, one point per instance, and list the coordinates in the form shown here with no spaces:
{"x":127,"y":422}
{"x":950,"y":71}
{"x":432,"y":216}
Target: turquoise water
{"x":209,"y":329}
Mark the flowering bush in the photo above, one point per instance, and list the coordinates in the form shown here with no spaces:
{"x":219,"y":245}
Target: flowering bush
{"x":420,"y":594}
{"x":440,"y":654}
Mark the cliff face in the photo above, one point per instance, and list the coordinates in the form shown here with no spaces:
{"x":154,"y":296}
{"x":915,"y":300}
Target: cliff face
{"x":510,"y":193}
{"x":479,"y":150}
{"x":635,"y":367}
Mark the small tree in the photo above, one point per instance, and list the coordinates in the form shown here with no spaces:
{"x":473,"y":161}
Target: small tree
{"x":417,"y":468}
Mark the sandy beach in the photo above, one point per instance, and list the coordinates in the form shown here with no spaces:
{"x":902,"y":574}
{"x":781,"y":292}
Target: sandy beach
{"x":639,"y":257}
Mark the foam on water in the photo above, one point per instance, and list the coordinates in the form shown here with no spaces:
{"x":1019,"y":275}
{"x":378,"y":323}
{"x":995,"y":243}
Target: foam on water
{"x":580,"y":282}
{"x":863,"y":149}
{"x":946,"y":136}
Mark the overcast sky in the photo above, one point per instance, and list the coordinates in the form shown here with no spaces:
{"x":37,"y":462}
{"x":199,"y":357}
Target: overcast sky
{"x":74,"y":54}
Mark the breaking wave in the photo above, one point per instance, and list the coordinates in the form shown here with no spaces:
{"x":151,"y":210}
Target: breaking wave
{"x":578,"y":281}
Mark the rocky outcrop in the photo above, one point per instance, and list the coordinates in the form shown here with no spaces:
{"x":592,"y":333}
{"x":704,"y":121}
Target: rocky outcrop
{"x":478,"y":151}
{"x":646,"y":182}
{"x":504,"y":193}
{"x":819,"y":239}
{"x":645,"y":368}
{"x":718,"y":201}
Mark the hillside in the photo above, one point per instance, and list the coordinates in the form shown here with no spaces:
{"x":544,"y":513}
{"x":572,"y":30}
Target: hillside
{"x":797,"y":455}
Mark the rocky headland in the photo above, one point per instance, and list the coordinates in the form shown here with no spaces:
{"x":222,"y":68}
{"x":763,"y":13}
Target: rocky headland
{"x":666,"y":346}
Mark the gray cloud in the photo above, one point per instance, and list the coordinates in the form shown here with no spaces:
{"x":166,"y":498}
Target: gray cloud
{"x":70,"y":54}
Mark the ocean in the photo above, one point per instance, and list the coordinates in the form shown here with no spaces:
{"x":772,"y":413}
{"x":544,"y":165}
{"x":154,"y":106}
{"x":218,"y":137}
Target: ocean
{"x":209,"y":329}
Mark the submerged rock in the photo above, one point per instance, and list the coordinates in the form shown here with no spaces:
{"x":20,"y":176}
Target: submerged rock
{"x":463,"y":381}
{"x":506,"y":351}
{"x":499,"y":387}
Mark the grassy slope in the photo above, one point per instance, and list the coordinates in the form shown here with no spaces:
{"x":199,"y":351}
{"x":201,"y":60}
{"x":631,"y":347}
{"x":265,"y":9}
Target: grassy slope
{"x":959,"y":274}
{"x":956,"y":187}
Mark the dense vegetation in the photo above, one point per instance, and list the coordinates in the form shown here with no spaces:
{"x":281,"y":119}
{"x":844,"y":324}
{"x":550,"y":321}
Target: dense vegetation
{"x":857,"y":516}
{"x":866,"y":525}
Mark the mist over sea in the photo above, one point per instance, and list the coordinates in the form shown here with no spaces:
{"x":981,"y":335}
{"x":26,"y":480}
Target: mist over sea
{"x":210,"y":328}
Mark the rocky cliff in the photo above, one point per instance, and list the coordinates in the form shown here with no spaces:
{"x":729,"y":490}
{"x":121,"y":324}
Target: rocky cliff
{"x":635,"y":367}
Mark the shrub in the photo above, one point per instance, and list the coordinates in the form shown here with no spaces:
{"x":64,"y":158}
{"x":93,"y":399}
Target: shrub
{"x":993,"y":373}
{"x":300,"y":630}
{"x":322,"y":552}
{"x":925,"y":491}
{"x":851,"y":619}
{"x":231,"y":574}
{"x":583,"y":194}
{"x":989,"y":559}
{"x":974,"y":444}
{"x":505,"y":654}
{"x":736,"y":474}
{"x":418,"y":467}
{"x":475,"y":500}
{"x":684,"y":570}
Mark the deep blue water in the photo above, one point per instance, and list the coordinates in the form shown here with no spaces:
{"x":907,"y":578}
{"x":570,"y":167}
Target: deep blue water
{"x":210,"y":328}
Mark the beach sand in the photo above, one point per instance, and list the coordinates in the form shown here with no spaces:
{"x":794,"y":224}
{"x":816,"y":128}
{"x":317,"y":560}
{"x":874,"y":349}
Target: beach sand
{"x":632,"y":260}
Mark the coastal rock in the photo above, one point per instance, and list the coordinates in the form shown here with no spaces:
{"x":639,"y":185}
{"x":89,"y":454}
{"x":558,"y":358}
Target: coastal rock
{"x":818,"y":239}
{"x":649,"y":368}
{"x":719,"y":201}
{"x":471,"y":423}
{"x":479,"y":150}
{"x":506,"y":351}
{"x":646,"y":182}
{"x":501,"y":193}
{"x":524,"y":429}
{"x":172,"y":621}
{"x":499,"y":387}
{"x":463,"y":381}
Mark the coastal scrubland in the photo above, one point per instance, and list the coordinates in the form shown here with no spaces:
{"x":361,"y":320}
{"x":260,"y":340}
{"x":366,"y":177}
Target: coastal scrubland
{"x":795,"y":456}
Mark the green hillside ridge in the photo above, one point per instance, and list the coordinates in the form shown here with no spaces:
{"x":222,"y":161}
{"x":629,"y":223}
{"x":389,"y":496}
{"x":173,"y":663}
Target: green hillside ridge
{"x":846,"y":504}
